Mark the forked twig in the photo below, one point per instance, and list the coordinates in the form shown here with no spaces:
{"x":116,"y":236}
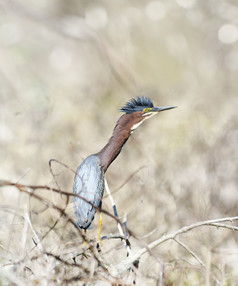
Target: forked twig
{"x":125,"y":264}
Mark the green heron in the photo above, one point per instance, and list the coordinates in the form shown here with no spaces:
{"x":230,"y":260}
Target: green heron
{"x":89,"y":177}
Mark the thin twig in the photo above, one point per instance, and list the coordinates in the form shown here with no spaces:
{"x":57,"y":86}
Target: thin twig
{"x":190,"y":252}
{"x":127,"y":180}
{"x":37,"y":239}
{"x":231,"y":227}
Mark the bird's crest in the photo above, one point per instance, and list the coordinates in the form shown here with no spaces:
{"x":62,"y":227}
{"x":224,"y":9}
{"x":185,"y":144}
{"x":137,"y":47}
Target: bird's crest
{"x":138,"y":104}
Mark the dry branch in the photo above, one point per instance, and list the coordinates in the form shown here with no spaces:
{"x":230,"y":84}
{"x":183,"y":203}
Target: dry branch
{"x":128,"y":262}
{"x":121,"y":268}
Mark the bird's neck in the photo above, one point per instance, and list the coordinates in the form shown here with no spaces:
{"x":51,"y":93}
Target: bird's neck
{"x":113,"y":148}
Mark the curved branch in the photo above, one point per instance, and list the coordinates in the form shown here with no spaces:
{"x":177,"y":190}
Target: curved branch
{"x":127,"y":263}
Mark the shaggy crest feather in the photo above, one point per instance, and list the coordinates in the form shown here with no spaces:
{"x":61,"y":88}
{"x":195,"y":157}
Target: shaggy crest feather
{"x":137,"y":104}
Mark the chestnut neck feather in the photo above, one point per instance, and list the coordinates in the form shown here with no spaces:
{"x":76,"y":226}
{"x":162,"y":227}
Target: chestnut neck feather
{"x":120,"y":135}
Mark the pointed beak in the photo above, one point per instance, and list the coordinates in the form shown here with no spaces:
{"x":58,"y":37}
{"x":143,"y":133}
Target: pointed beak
{"x":158,"y":109}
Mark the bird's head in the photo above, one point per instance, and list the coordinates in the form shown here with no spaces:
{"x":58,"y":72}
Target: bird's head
{"x":139,"y":109}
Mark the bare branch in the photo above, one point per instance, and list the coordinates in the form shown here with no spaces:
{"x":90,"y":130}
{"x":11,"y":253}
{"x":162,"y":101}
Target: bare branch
{"x":125,"y":264}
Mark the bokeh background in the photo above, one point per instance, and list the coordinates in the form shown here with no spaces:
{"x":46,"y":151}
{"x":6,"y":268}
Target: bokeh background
{"x":66,"y":68}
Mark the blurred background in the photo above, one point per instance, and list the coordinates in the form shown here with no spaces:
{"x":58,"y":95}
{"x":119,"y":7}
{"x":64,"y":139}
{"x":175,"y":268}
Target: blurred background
{"x":66,"y":68}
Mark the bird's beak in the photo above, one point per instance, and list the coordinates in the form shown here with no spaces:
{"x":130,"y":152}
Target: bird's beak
{"x":158,"y":109}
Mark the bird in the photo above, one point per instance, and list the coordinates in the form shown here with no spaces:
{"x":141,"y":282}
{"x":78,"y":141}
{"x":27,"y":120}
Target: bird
{"x":89,"y":177}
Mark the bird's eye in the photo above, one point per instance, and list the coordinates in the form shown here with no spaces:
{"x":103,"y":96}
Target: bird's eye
{"x":147,"y":109}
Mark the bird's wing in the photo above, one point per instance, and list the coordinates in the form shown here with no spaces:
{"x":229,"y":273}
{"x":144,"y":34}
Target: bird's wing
{"x":89,"y":184}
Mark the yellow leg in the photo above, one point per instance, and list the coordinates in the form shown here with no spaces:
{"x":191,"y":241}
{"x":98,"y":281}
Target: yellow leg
{"x":100,"y":226}
{"x":85,"y":239}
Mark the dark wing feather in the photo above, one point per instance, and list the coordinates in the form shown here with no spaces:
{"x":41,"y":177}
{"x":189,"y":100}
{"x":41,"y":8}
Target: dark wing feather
{"x":88,"y":183}
{"x":137,"y":104}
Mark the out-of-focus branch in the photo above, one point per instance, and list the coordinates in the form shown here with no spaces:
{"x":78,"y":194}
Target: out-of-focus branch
{"x":75,"y":27}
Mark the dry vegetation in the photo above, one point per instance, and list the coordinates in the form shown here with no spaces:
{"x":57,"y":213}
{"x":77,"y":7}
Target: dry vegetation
{"x":66,"y":68}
